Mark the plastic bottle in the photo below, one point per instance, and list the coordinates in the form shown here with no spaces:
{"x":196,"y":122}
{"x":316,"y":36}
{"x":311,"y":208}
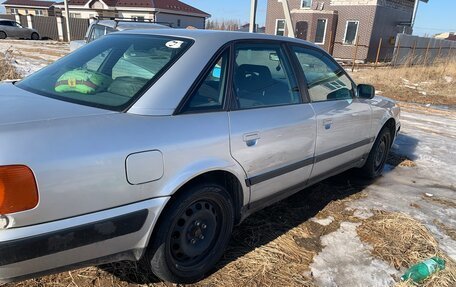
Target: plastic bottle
{"x":423,"y":270}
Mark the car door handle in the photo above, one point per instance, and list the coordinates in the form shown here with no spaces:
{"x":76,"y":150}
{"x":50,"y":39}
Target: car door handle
{"x":251,"y":139}
{"x":327,"y":123}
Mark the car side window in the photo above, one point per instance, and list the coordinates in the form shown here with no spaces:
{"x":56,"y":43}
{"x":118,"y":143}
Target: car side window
{"x":326,"y":81}
{"x":6,"y":23}
{"x":210,"y":95}
{"x":99,"y":31}
{"x":263,"y":77}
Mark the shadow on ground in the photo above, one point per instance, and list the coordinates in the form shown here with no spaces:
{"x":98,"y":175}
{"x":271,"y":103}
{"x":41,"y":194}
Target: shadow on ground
{"x":274,"y":221}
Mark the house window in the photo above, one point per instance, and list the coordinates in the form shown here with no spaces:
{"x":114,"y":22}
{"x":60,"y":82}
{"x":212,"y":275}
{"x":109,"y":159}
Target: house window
{"x":178,"y":22}
{"x":14,"y":11}
{"x":138,"y":18}
{"x":38,"y":12}
{"x":26,"y":12}
{"x":280,"y":27}
{"x":321,"y":31}
{"x":306,"y":4}
{"x":351,"y":32}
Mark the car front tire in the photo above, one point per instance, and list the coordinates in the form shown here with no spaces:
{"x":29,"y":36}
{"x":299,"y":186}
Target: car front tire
{"x":378,"y":155}
{"x":35,"y":36}
{"x":192,"y":234}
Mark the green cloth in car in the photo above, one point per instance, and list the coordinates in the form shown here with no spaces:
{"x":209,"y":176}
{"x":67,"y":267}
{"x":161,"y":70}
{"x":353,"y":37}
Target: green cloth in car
{"x":82,"y":81}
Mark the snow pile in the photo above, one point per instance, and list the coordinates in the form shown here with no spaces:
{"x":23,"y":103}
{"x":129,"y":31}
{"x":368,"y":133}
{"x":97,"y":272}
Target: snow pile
{"x":345,"y":261}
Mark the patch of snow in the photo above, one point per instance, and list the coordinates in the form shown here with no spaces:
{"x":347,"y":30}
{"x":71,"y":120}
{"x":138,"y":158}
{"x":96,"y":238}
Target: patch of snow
{"x":325,"y":221}
{"x":429,"y":140}
{"x":363,"y":213}
{"x":346,"y":261}
{"x":448,"y":79}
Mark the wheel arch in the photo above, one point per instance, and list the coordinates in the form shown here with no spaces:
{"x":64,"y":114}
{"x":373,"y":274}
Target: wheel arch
{"x":390,"y":124}
{"x":226,"y":179}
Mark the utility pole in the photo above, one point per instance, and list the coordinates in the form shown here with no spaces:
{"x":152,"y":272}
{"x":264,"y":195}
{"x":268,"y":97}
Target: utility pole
{"x":253,"y":10}
{"x":415,"y":11}
{"x":286,"y":11}
{"x":67,"y":20}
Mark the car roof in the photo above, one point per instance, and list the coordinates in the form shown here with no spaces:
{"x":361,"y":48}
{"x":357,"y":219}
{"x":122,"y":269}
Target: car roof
{"x":7,"y":20}
{"x":215,"y":36}
{"x":127,"y":25}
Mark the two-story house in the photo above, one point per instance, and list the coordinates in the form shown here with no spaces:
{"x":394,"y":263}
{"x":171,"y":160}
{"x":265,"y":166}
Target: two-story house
{"x":29,"y":7}
{"x":175,"y":12}
{"x":336,"y":25}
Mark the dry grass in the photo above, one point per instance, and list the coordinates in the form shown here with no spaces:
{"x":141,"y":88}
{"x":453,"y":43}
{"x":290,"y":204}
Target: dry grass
{"x":273,"y":247}
{"x":402,"y":242}
{"x":433,"y":84}
{"x":7,"y":70}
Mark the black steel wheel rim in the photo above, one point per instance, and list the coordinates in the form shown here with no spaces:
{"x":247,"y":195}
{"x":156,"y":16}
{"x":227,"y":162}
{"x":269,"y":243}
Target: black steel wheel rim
{"x":194,"y":233}
{"x":381,"y":154}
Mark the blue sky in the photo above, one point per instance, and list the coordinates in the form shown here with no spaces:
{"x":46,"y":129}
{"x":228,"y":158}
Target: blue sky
{"x":433,"y":17}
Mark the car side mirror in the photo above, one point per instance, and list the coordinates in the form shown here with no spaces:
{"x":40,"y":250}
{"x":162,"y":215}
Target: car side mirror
{"x":366,"y":91}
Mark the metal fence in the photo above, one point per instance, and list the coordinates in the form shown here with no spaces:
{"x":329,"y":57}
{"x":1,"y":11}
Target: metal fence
{"x":52,"y":27}
{"x":415,"y":50}
{"x":46,"y":27}
{"x":7,"y":16}
{"x":78,"y":28}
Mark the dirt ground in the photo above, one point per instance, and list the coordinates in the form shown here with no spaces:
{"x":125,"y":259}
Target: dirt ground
{"x":344,"y":231}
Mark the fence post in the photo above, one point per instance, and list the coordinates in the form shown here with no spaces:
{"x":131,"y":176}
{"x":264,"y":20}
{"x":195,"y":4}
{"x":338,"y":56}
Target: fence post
{"x":398,"y":52}
{"x":427,"y":53}
{"x":378,"y":52}
{"x":355,"y":54}
{"x":30,"y":21}
{"x":440,"y":51}
{"x":60,"y":28}
{"x":412,"y":58}
{"x":330,"y":42}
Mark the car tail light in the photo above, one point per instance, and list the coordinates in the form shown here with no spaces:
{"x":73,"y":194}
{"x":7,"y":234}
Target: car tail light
{"x":18,"y":191}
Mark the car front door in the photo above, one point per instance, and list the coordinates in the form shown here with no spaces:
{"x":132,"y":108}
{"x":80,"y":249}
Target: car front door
{"x":272,"y":130}
{"x":343,"y":120}
{"x":18,"y":30}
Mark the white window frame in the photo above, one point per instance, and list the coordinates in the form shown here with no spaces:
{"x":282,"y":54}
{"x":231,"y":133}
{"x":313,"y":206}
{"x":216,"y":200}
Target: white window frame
{"x":38,"y":12}
{"x":302,"y":3}
{"x":346,"y":30}
{"x":277,"y":26}
{"x":324,"y":33}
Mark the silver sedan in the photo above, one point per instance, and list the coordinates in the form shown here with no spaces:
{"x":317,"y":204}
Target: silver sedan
{"x":152,"y":145}
{"x":12,"y":29}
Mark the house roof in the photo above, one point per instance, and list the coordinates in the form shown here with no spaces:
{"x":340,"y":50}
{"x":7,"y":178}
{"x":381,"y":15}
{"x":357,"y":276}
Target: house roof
{"x":32,"y":3}
{"x":173,"y":5}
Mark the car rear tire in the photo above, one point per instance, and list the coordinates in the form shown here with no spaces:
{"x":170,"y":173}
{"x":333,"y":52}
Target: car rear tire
{"x":378,"y":155}
{"x":2,"y":35}
{"x":192,"y":234}
{"x":35,"y":36}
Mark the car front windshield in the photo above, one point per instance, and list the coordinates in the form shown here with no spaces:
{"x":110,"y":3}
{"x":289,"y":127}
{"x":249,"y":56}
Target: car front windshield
{"x":110,"y":73}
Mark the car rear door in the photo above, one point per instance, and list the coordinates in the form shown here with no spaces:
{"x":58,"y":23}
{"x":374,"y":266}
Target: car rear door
{"x":343,"y":120}
{"x":272,"y":129}
{"x":7,"y":26}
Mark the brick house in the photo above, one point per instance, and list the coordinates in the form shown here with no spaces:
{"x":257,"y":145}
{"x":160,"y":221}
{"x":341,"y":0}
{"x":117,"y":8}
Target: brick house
{"x":336,"y":24}
{"x":175,"y":12}
{"x":29,"y":7}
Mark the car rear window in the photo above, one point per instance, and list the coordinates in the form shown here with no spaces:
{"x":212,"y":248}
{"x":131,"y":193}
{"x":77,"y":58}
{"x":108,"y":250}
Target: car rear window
{"x":110,"y":73}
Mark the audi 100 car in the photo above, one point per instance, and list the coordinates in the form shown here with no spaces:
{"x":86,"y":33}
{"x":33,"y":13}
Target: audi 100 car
{"x":151,"y":145}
